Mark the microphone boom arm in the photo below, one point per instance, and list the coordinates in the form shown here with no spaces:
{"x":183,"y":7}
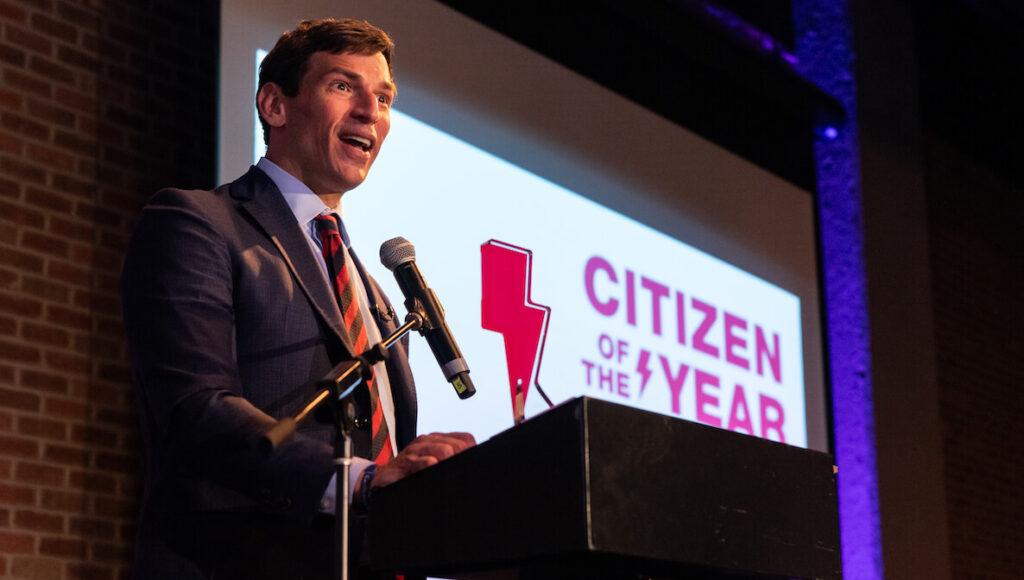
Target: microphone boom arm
{"x":339,"y":383}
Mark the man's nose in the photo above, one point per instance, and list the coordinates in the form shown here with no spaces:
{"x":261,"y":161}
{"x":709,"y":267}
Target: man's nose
{"x":365,"y":108}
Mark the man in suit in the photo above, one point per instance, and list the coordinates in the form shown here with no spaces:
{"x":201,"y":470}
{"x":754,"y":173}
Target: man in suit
{"x":232,"y":314}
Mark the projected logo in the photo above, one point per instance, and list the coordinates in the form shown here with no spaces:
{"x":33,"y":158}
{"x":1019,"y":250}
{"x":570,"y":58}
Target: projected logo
{"x":720,"y":366}
{"x":507,"y":308}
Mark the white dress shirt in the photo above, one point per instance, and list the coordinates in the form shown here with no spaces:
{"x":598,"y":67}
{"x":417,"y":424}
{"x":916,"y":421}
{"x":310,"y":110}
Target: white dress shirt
{"x":306,"y":206}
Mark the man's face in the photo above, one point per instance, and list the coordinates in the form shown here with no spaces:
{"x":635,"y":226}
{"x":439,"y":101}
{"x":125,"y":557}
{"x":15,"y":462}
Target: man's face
{"x":329,"y":134}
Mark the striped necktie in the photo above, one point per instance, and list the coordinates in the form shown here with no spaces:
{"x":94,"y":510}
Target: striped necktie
{"x":344,"y":292}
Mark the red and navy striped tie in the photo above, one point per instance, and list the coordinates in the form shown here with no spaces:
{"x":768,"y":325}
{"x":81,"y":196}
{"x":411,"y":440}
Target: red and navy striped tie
{"x":344,"y":292}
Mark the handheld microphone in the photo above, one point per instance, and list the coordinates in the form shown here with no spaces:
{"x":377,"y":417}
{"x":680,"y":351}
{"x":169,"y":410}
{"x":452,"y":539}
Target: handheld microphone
{"x":399,"y":256}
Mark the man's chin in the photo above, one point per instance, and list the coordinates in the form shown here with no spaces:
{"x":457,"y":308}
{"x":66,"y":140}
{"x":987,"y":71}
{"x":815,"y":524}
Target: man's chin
{"x":352,"y":178}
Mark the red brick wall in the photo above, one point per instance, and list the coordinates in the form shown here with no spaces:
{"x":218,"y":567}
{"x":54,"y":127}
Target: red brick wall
{"x":101,"y":102}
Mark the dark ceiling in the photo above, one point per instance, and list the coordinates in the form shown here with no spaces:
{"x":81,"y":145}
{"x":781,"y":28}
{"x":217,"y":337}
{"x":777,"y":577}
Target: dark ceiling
{"x":671,"y":58}
{"x":701,"y":70}
{"x":971,"y":58}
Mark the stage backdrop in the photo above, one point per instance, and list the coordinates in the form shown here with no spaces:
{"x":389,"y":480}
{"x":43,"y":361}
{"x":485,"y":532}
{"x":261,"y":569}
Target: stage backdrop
{"x":577,"y":241}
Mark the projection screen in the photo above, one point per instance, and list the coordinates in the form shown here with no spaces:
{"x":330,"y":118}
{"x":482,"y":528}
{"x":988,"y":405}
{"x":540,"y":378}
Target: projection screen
{"x":576,"y":240}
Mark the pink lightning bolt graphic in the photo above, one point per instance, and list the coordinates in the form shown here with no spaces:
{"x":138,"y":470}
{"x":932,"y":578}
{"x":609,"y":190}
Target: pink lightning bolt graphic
{"x":506,"y":307}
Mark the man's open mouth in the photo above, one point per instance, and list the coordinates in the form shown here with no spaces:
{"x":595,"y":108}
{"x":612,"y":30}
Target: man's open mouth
{"x":357,"y":141}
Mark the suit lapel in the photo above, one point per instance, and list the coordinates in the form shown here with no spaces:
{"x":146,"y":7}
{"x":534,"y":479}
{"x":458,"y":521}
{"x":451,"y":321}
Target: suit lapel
{"x":260,"y":198}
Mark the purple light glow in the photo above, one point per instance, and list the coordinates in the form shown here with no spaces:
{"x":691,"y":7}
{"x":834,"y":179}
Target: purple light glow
{"x":826,"y":58}
{"x":739,"y":29}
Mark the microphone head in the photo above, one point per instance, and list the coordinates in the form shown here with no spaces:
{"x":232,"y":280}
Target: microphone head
{"x":395,"y":252}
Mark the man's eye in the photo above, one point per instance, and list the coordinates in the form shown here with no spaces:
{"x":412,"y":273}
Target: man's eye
{"x":383,"y":100}
{"x":341,"y":86}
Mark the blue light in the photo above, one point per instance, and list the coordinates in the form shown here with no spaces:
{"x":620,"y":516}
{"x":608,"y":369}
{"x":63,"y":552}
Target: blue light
{"x":823,"y":38}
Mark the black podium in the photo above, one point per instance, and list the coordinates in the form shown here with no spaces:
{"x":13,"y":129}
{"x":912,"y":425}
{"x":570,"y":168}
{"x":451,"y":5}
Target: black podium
{"x":591,"y":489}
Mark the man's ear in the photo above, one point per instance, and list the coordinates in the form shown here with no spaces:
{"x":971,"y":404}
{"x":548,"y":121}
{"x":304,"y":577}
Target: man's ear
{"x":270,"y":101}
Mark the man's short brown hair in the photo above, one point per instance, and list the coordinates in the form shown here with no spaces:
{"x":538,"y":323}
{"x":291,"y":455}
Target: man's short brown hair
{"x":288,"y":61}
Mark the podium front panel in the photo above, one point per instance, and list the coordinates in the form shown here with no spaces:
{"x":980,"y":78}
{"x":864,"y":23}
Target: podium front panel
{"x":593,"y":489}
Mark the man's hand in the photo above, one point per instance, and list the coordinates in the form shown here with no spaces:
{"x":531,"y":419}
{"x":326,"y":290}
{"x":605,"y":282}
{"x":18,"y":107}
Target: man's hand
{"x":424,"y":451}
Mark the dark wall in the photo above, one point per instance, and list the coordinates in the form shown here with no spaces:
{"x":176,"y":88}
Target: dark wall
{"x":974,"y":219}
{"x":908,"y":440}
{"x":971,"y":63}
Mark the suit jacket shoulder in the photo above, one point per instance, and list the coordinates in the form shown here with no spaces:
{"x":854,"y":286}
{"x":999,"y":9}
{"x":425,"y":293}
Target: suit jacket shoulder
{"x":230,"y":323}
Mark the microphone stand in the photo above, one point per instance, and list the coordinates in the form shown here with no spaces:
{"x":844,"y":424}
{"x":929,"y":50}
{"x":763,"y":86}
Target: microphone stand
{"x":336,"y":389}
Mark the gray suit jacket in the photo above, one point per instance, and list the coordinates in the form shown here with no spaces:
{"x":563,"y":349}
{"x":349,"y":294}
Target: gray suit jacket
{"x":230,"y":323}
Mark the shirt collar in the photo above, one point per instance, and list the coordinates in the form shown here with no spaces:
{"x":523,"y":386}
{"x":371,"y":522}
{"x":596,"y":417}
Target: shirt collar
{"x":305,"y":204}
